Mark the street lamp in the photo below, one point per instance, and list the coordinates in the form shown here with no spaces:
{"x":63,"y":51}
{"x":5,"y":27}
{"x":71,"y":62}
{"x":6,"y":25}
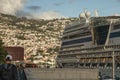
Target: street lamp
{"x":113,"y":65}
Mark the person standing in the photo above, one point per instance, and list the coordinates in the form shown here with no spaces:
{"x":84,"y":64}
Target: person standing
{"x":21,"y":72}
{"x":8,"y":71}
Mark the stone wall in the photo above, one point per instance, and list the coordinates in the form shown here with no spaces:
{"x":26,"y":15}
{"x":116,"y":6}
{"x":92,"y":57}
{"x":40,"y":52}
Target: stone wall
{"x":61,"y":74}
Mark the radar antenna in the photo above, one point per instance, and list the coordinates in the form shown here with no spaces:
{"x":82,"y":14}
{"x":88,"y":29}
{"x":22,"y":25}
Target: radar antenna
{"x":85,"y":15}
{"x":96,"y":13}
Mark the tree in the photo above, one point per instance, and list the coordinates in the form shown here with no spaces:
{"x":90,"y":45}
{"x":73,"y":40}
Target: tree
{"x":3,"y":52}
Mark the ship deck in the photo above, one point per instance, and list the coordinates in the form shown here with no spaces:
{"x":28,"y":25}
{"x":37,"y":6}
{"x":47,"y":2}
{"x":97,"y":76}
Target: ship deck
{"x":94,"y":57}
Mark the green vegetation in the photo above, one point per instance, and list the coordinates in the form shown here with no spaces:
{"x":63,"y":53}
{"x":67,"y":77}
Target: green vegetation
{"x":3,"y":52}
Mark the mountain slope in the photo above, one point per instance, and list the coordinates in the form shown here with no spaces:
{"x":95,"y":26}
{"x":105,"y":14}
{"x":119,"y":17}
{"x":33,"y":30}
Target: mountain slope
{"x":38,"y":37}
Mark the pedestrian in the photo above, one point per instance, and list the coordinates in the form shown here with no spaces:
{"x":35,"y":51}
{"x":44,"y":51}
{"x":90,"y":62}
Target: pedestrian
{"x":21,"y":72}
{"x":8,"y":71}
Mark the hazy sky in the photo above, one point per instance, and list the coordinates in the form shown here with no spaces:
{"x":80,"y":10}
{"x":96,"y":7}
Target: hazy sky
{"x":48,"y":9}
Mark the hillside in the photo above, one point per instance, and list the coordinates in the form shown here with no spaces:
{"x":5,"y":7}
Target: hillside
{"x":38,"y":37}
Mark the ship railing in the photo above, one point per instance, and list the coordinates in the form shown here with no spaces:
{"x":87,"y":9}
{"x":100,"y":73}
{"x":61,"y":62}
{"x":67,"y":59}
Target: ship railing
{"x":77,"y":36}
{"x":85,"y":27}
{"x":94,"y":47}
{"x":96,"y":55}
{"x":74,"y":26}
{"x":68,"y":60}
{"x":97,"y":24}
{"x":86,"y":61}
{"x":103,"y":48}
{"x":78,"y":45}
{"x":88,"y":52}
{"x":76,"y":31}
{"x":95,"y":60}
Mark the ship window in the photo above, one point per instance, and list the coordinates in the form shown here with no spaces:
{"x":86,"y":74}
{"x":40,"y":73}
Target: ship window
{"x":76,"y":29}
{"x":79,"y":35}
{"x":101,"y":34}
{"x":116,"y":27}
{"x":115,"y":34}
{"x":77,"y":41}
{"x":76,"y":35}
{"x":64,"y":38}
{"x":74,"y":26}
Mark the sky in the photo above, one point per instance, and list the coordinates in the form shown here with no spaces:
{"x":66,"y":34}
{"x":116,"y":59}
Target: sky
{"x":50,"y":9}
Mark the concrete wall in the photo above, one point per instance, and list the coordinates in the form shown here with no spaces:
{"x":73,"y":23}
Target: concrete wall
{"x":61,"y":74}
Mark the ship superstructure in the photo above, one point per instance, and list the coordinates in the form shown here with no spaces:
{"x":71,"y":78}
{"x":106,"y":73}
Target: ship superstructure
{"x":91,"y":43}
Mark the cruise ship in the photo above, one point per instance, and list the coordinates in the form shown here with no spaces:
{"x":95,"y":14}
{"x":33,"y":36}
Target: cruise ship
{"x":91,"y":42}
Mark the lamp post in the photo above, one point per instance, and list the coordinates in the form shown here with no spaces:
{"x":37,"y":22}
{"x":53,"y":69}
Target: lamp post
{"x":113,"y":65}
